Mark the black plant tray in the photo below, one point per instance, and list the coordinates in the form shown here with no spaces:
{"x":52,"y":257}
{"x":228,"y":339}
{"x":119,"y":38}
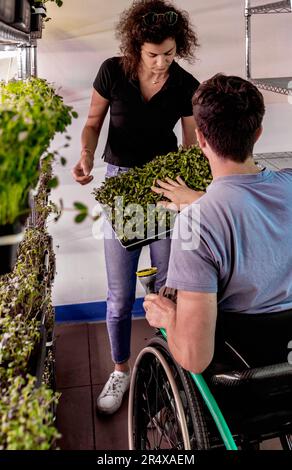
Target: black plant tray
{"x":134,"y":243}
{"x":138,"y":243}
{"x":8,"y":252}
{"x":38,"y":357}
{"x":7,"y":11}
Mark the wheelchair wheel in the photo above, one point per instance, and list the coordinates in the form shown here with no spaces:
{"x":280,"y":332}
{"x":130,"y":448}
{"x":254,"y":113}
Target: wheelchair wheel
{"x":286,"y":442}
{"x":164,"y":410}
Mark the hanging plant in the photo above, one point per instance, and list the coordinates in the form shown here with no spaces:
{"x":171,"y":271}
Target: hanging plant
{"x":59,"y":3}
{"x":38,"y":3}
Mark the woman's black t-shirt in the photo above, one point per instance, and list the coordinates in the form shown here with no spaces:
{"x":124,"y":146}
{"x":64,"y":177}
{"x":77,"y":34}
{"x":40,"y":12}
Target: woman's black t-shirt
{"x":139,"y":130}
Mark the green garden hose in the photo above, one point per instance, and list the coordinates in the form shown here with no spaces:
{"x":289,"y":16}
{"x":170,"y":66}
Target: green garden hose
{"x":212,"y":406}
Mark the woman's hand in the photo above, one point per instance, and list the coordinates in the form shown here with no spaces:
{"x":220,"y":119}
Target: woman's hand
{"x":177,"y":192}
{"x":160,"y":311}
{"x":81,"y":171}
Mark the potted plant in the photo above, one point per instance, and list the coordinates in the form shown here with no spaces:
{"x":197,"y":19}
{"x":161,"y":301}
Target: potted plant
{"x":39,"y":16}
{"x":38,"y":13}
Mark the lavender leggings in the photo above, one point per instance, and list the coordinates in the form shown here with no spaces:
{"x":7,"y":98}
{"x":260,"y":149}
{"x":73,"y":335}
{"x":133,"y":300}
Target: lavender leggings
{"x":121,"y":267}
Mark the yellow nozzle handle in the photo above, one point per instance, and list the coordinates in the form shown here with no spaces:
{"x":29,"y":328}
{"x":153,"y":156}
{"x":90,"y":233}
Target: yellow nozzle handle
{"x":146,"y":272}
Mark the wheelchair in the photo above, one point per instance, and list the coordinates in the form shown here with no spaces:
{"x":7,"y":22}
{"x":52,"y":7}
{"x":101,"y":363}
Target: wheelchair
{"x":167,"y":409}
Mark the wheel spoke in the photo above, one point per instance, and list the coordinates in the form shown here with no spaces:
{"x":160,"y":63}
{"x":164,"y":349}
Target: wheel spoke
{"x":158,"y":420}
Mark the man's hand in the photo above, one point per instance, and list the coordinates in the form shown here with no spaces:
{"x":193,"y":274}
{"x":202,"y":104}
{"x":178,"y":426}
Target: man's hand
{"x":81,"y":171}
{"x":160,"y":311}
{"x":177,"y":192}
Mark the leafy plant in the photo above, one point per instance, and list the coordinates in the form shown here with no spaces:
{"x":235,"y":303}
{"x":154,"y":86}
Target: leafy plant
{"x":18,"y":339}
{"x":23,"y":290}
{"x":59,"y":3}
{"x":27,"y":421}
{"x":36,"y":3}
{"x":24,"y":299}
{"x":30,"y":114}
{"x":134,"y":187}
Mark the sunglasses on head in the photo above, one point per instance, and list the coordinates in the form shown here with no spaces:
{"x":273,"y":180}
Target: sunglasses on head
{"x":152,"y":18}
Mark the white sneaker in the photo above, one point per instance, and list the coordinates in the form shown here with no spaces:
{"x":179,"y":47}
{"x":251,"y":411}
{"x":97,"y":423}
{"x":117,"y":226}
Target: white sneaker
{"x":112,"y":394}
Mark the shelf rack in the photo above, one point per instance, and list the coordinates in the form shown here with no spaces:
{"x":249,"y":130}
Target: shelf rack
{"x":282,"y":85}
{"x":26,"y":47}
{"x":12,"y":36}
{"x":283,"y":6}
{"x":272,"y":155}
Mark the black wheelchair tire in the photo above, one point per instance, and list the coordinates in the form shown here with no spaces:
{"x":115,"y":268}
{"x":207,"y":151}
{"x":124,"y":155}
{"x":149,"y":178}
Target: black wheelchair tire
{"x":189,"y":405}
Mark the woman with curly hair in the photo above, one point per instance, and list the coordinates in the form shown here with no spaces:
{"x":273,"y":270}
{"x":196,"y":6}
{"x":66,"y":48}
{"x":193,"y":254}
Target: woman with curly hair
{"x":147,"y":93}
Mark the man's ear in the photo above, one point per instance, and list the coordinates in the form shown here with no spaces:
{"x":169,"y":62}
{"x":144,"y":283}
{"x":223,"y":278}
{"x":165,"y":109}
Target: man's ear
{"x":201,"y":139}
{"x":258,"y":133}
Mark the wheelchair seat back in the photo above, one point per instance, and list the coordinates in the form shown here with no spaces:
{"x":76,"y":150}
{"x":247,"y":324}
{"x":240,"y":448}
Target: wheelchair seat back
{"x":250,"y":376}
{"x":259,"y":400}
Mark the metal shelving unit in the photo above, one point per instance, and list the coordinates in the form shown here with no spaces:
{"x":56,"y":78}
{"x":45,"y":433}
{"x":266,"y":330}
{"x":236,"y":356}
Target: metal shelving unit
{"x":12,"y":36}
{"x":282,"y":85}
{"x":26,"y":47}
{"x":283,"y":6}
{"x":272,"y":155}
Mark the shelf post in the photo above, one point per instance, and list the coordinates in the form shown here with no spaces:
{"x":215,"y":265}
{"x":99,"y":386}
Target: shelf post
{"x":33,"y":60}
{"x":24,"y":62}
{"x":247,"y":40}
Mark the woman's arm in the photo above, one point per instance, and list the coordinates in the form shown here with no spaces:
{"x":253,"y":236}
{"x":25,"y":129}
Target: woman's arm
{"x":188,"y":131}
{"x":89,"y":138}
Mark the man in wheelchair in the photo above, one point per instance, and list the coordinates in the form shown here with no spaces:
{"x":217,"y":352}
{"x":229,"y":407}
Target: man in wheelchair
{"x":231,"y":255}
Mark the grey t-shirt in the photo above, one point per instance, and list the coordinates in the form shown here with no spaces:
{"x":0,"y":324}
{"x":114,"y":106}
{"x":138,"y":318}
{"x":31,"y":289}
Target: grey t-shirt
{"x":240,"y":246}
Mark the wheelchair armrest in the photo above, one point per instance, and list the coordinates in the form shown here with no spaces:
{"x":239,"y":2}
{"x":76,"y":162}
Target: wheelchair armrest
{"x":256,"y":376}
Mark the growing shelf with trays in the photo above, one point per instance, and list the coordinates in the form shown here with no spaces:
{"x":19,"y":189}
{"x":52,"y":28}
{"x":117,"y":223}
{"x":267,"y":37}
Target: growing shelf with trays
{"x":26,"y":308}
{"x":27,"y":364}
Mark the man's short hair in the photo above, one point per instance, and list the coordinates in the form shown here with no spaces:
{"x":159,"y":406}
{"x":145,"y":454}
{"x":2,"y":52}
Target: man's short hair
{"x":228,"y":110}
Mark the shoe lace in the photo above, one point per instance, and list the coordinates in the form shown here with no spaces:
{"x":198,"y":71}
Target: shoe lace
{"x":114,"y":385}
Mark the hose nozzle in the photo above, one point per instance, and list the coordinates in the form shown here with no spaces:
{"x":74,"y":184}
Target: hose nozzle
{"x":147,"y":278}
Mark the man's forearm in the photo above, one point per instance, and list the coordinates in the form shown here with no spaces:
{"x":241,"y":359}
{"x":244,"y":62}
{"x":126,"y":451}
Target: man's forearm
{"x":173,"y":337}
{"x":178,"y":347}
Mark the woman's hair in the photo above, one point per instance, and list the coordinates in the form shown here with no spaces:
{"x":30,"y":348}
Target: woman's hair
{"x":229,"y":110}
{"x":133,"y":31}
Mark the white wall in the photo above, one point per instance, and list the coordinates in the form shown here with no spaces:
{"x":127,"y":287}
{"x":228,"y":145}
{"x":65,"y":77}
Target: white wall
{"x":79,"y":37}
